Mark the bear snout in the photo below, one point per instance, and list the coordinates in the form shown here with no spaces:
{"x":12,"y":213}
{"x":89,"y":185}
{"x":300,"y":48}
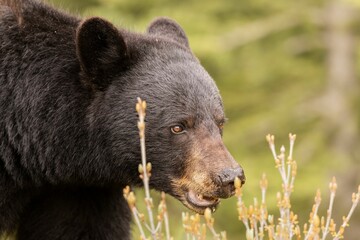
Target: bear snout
{"x":225,"y":180}
{"x":228,"y":175}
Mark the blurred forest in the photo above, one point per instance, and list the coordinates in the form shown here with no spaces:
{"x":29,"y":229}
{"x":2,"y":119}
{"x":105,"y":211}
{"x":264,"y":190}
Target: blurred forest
{"x":282,"y":66}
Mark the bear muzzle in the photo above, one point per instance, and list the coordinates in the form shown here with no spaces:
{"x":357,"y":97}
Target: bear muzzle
{"x":210,"y":173}
{"x":207,"y":194}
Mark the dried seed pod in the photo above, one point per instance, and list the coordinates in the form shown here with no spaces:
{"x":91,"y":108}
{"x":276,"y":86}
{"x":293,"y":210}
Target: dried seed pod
{"x":237,"y":183}
{"x":207,"y":214}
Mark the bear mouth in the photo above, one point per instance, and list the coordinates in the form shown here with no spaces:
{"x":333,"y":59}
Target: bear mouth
{"x":199,"y":202}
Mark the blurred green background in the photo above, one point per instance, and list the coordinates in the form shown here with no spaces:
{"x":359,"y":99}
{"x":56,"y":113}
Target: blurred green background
{"x":282,"y":66}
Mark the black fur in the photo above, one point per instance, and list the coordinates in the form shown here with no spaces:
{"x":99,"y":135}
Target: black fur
{"x":101,"y":50}
{"x":68,"y":133}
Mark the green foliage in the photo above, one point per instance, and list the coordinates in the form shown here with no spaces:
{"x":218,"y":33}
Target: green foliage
{"x":269,"y":59}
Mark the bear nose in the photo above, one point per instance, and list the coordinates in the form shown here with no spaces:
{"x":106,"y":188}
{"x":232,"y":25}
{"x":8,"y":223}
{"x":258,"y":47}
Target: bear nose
{"x":228,"y":176}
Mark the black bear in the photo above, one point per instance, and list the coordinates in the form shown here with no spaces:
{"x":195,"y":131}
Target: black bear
{"x":68,"y":135}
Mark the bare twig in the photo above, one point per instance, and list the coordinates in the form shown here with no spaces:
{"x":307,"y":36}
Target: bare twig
{"x":355,"y":201}
{"x":130,"y":198}
{"x":145,"y":173}
{"x":332,"y":187}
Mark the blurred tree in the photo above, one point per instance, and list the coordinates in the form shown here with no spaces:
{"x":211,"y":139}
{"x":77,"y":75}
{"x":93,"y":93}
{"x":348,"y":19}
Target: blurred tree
{"x":342,"y":93}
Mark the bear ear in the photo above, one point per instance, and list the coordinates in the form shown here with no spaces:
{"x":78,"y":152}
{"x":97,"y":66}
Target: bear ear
{"x":168,"y":28}
{"x":101,"y":50}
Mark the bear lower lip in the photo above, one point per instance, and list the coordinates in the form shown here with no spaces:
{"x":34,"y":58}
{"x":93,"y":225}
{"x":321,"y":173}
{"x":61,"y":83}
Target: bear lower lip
{"x":200,"y":201}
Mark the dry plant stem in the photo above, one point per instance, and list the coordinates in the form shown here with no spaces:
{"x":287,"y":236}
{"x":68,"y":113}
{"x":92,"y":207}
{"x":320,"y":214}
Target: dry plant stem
{"x":194,"y":229}
{"x":210,"y":223}
{"x":288,"y":226}
{"x":165,"y":216}
{"x":243,"y":212}
{"x":263,"y":224}
{"x":292,"y":138}
{"x":223,"y":235}
{"x":167,"y":228}
{"x":356,"y":198}
{"x":141,"y":107}
{"x":255,"y":227}
{"x":246,"y":223}
{"x":290,"y":157}
{"x":287,"y":184}
{"x":213,"y":232}
{"x":314,"y":215}
{"x":131,"y":200}
{"x":328,"y":217}
{"x":332,"y":187}
{"x":271,"y":141}
{"x":158,"y":227}
{"x":288,"y":178}
{"x":250,"y":234}
{"x":288,"y":174}
{"x":244,"y":218}
{"x":282,"y":158}
{"x":285,"y":209}
{"x":138,"y":223}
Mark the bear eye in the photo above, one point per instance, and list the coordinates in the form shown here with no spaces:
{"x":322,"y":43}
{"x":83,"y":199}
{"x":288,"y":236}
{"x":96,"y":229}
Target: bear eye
{"x":177,"y":129}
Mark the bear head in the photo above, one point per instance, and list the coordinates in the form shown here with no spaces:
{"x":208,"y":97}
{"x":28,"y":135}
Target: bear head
{"x":185,"y":115}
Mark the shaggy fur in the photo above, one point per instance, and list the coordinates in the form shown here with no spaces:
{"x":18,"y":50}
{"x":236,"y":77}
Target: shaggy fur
{"x":68,"y":134}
